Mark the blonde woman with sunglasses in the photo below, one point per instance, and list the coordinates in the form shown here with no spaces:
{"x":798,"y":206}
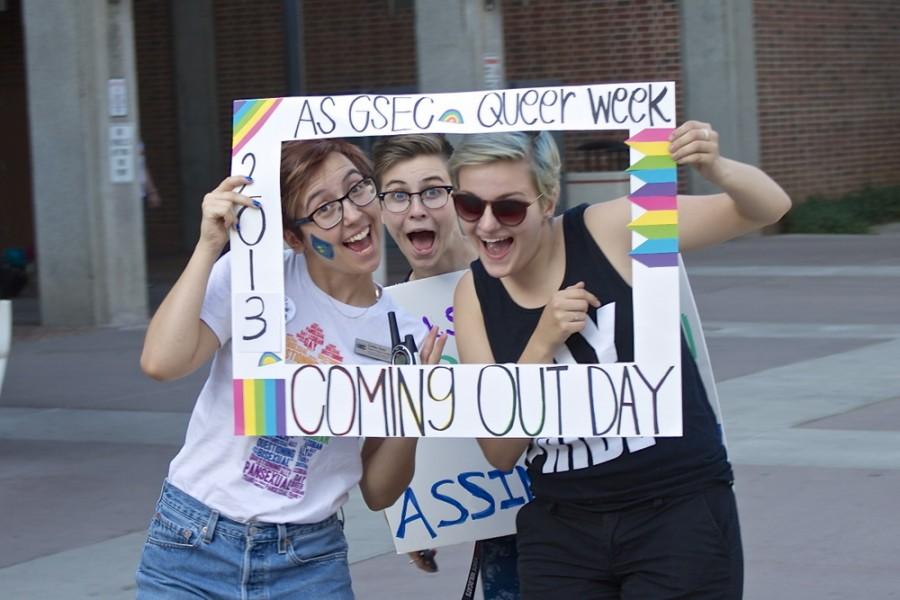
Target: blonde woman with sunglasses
{"x":626,"y":519}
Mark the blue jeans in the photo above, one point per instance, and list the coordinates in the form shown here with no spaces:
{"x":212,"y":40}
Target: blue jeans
{"x":194,"y":552}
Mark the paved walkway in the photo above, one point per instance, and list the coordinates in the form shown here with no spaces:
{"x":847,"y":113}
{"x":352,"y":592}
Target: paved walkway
{"x":804,"y":333}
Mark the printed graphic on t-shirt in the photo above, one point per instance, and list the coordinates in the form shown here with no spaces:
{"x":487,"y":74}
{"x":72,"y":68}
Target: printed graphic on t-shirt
{"x":570,"y":454}
{"x":281,"y":464}
{"x":308,"y":347}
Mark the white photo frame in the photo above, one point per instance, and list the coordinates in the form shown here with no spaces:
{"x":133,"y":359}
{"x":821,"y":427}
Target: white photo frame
{"x":639,"y":398}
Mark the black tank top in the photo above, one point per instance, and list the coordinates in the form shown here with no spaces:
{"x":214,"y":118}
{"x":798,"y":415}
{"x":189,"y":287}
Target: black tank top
{"x":607,"y":473}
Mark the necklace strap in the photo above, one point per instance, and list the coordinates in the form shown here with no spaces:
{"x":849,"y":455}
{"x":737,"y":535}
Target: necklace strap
{"x":336,"y":304}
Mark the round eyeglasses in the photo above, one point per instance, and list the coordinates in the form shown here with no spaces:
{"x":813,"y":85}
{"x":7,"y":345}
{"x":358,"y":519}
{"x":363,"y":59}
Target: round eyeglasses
{"x":331,"y":213}
{"x":431,"y":197}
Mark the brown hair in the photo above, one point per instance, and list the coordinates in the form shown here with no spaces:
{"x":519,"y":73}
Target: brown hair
{"x":301,"y":159}
{"x":388,"y":151}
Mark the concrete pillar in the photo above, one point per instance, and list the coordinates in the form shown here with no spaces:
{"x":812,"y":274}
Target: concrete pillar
{"x":719,"y":76}
{"x":82,"y":103}
{"x":199,"y":147}
{"x":459,"y":45}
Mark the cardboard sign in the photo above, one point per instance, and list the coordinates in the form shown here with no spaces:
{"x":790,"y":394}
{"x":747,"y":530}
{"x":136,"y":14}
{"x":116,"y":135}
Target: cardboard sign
{"x":456,"y":496}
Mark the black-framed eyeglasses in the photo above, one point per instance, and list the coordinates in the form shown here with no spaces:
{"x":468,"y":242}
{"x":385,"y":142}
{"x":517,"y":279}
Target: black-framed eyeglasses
{"x":331,"y":213}
{"x":432,"y":197}
{"x":508,"y":212}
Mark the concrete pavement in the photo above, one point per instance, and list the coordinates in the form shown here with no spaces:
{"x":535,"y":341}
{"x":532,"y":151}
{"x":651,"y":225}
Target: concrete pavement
{"x":804,"y":333}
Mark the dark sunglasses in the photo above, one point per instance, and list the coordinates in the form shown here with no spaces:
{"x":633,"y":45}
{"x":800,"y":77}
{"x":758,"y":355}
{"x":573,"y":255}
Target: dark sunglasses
{"x":509,"y":213}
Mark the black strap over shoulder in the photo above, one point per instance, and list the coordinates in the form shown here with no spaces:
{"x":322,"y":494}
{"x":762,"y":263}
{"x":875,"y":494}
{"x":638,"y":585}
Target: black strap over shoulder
{"x":472,"y":579}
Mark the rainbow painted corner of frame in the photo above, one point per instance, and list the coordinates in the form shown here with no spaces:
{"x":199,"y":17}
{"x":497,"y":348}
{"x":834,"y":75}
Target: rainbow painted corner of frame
{"x":248,"y":118}
{"x":259,"y":407}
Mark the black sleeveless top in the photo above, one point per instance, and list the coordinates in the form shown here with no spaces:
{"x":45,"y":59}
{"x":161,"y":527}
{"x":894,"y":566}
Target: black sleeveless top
{"x":606,"y":473}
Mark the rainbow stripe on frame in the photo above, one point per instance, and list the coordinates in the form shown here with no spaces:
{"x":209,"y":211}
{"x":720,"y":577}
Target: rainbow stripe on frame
{"x":248,"y":118}
{"x":259,"y":407}
{"x":658,"y":196}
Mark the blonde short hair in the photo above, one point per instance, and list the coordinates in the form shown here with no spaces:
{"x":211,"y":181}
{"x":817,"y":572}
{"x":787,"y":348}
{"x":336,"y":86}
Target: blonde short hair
{"x":538,"y":148}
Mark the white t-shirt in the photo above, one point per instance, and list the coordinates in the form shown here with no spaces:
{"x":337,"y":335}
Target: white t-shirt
{"x":278,"y":479}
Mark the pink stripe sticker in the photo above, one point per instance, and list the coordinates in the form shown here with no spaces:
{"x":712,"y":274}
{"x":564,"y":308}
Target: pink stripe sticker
{"x":238,"y":387}
{"x":651,"y":135}
{"x":656,"y":202}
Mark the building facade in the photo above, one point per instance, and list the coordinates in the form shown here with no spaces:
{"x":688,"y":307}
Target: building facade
{"x":805,"y":89}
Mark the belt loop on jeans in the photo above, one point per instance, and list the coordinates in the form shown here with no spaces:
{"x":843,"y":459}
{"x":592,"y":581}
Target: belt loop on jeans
{"x":282,"y":538}
{"x":210,"y":527}
{"x":162,"y":492}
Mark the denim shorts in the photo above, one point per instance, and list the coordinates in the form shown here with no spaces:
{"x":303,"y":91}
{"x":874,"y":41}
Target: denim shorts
{"x":194,"y":552}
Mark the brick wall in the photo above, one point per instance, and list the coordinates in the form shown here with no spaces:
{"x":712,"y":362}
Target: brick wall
{"x":250,"y":59}
{"x":577,"y":42}
{"x":354,"y":46}
{"x":249,"y":55}
{"x":349,"y":46}
{"x":156,"y":104}
{"x":828,"y":93}
{"x":16,"y":223}
{"x":826,"y":72}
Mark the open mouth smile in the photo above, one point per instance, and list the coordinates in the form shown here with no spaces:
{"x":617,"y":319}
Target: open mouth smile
{"x":361,"y":242}
{"x":422,"y":241}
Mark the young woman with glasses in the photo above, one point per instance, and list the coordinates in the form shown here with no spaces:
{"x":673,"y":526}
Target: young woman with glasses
{"x":247,"y":516}
{"x":411,"y":172}
{"x":612,"y":518}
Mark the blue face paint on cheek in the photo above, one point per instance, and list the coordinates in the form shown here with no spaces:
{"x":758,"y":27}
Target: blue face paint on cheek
{"x":322,"y":248}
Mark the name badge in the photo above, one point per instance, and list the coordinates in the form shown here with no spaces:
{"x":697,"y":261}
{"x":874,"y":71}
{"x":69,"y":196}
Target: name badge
{"x":372,"y":350}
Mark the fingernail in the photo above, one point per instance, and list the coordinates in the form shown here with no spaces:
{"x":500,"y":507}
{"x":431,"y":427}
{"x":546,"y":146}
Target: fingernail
{"x":257,"y":203}
{"x":248,"y":178}
{"x":237,"y":227}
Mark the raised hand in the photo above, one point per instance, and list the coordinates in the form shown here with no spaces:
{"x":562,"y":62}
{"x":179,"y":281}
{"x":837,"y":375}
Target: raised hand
{"x":433,"y":347}
{"x":696,"y":143}
{"x":218,"y":210}
{"x":565,"y":314}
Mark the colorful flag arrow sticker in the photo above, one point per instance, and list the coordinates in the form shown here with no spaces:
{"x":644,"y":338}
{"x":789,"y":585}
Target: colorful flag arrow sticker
{"x":650,"y":148}
{"x":655,"y":217}
{"x":657,"y":175}
{"x":652,"y":162}
{"x":651,"y":135}
{"x":656,"y":202}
